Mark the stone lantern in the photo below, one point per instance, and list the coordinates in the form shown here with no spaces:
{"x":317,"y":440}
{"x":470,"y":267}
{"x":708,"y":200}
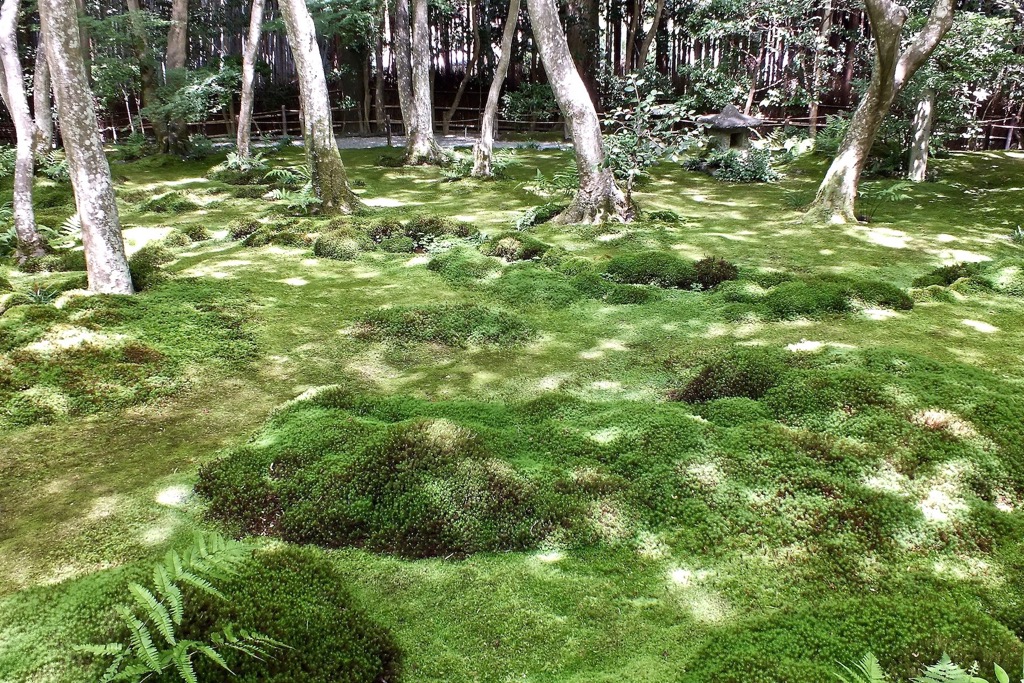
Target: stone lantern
{"x":730,"y":128}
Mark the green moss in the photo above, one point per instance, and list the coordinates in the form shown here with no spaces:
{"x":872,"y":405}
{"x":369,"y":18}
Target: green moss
{"x":196,"y":233}
{"x":452,"y":325}
{"x":341,"y":245}
{"x":514,"y":246}
{"x":145,"y":266}
{"x":240,"y":228}
{"x":462,"y":264}
{"x":713,"y":271}
{"x":397,"y":245}
{"x":806,"y":298}
{"x":652,"y":268}
{"x":171,"y":202}
{"x":744,"y":373}
{"x":177,"y":238}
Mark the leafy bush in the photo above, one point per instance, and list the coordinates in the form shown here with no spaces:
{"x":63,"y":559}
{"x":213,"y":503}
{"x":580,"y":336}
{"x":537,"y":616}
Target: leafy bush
{"x":296,"y":596}
{"x":241,"y":228}
{"x":199,"y":147}
{"x":455,"y":325}
{"x":944,"y":276}
{"x":341,"y":245}
{"x":799,"y":298}
{"x":652,"y":268}
{"x":238,"y":170}
{"x":1017,"y":235}
{"x":662,"y":216}
{"x":144,"y":266}
{"x":713,"y":271}
{"x":753,"y":165}
{"x":514,"y":246}
{"x":743,"y":373}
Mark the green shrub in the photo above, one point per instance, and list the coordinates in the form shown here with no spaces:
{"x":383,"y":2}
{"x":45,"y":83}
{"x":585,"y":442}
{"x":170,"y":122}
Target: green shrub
{"x":798,"y":299}
{"x":171,"y":202}
{"x":514,"y":246}
{"x":713,"y":271}
{"x":196,"y":233}
{"x":450,"y":324}
{"x":651,"y":268}
{"x":177,"y":238}
{"x":743,"y":373}
{"x":241,"y":228}
{"x":944,"y":276}
{"x":397,"y":245}
{"x":297,"y":597}
{"x":340,"y":245}
{"x":144,"y":266}
{"x":462,"y":264}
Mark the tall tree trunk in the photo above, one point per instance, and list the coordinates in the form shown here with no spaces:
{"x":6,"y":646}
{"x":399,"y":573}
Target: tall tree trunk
{"x":330,"y":183}
{"x":147,"y":70}
{"x":420,"y":146}
{"x":86,"y":40}
{"x":892,"y":69}
{"x":42,"y":107}
{"x":598,"y":198}
{"x":924,"y":119}
{"x":636,"y":8}
{"x":483,"y":150}
{"x":645,"y":46}
{"x":177,"y":53}
{"x":90,"y":173}
{"x":402,"y":55}
{"x":29,"y":241}
{"x":754,"y":76}
{"x":474,"y":56}
{"x":820,"y":46}
{"x":249,"y":52}
{"x":584,"y":34}
{"x":378,"y":57}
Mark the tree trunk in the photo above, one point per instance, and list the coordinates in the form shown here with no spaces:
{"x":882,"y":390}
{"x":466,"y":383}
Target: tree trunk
{"x":90,"y":174}
{"x":30,"y":243}
{"x":645,"y":46}
{"x":249,"y":52}
{"x":402,"y":55}
{"x":446,"y":120}
{"x":420,"y":146}
{"x":177,"y":53}
{"x":147,"y":70}
{"x":378,"y":57}
{"x":483,"y":150}
{"x":636,"y":14}
{"x":330,"y":182}
{"x":598,"y":198}
{"x":42,"y":106}
{"x":820,"y":45}
{"x":924,"y":119}
{"x":891,"y":71}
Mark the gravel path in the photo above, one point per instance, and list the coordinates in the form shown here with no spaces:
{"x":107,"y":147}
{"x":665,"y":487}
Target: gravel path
{"x":448,"y":142}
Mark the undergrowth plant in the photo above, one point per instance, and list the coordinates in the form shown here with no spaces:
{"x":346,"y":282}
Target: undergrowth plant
{"x":869,"y":670}
{"x":153,"y":619}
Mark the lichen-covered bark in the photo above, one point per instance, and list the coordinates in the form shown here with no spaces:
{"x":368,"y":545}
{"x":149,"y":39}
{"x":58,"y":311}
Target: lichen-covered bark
{"x":484,"y":148}
{"x":403,"y":64}
{"x":90,"y":174}
{"x":29,"y":242}
{"x":42,"y":106}
{"x":890,"y":73}
{"x":599,"y":197}
{"x":177,"y":53}
{"x":924,"y":120}
{"x":420,"y":146}
{"x":330,"y":182}
{"x":252,"y":43}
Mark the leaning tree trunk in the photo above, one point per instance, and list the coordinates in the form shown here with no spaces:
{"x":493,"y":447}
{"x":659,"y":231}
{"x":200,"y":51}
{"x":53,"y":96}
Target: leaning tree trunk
{"x":484,"y":148}
{"x":177,"y":53}
{"x":402,"y":55}
{"x":446,"y":119}
{"x":42,"y":108}
{"x":890,"y":73}
{"x":645,"y":46}
{"x":598,"y":198}
{"x":330,"y":183}
{"x":147,"y":70}
{"x":420,"y":146}
{"x":90,"y":174}
{"x":30,"y":244}
{"x":249,"y":51}
{"x":924,"y":120}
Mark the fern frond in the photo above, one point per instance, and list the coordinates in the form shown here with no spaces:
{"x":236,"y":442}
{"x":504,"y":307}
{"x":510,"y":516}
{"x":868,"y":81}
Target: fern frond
{"x":154,"y":610}
{"x":105,"y":649}
{"x":201,"y":584}
{"x":141,"y":639}
{"x":212,"y":655}
{"x":867,"y":670}
{"x":182,"y":660}
{"x":170,"y":592}
{"x":945,"y":671}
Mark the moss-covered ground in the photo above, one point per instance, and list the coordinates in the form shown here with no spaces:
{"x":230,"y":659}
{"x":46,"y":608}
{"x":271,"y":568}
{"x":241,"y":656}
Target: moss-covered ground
{"x":845,"y":473}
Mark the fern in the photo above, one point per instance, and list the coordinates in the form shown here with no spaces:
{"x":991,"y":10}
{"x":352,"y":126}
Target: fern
{"x":945,"y":671}
{"x":155,"y":611}
{"x":170,"y":594}
{"x":867,"y":670}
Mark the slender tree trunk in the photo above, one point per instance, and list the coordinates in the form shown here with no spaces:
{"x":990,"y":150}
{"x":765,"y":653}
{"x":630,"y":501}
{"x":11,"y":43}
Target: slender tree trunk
{"x":645,"y":46}
{"x":90,"y":174}
{"x":635,"y":17}
{"x":147,"y":70}
{"x":892,"y":69}
{"x":420,"y":146}
{"x":924,"y":119}
{"x":86,"y":40}
{"x":755,"y":74}
{"x":598,"y":198}
{"x":378,"y":57}
{"x":483,"y":150}
{"x":42,"y":107}
{"x":30,"y":243}
{"x":330,"y":182}
{"x":821,"y":44}
{"x":403,"y":65}
{"x":446,"y":120}
{"x":177,"y":53}
{"x":249,"y":53}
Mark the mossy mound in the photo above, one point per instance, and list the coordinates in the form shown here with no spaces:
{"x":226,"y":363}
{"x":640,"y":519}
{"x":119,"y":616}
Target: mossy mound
{"x":240,"y":228}
{"x":177,"y":238}
{"x":1008,"y":277}
{"x":196,"y":233}
{"x":144,"y":266}
{"x":342,"y":245}
{"x":712,"y":271}
{"x":944,"y":276}
{"x":800,"y":298}
{"x":234,"y":176}
{"x":462,"y":265}
{"x":171,"y":202}
{"x":514,"y":246}
{"x":425,"y":226}
{"x":657,"y":268}
{"x":456,"y":325}
{"x":743,"y":373}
